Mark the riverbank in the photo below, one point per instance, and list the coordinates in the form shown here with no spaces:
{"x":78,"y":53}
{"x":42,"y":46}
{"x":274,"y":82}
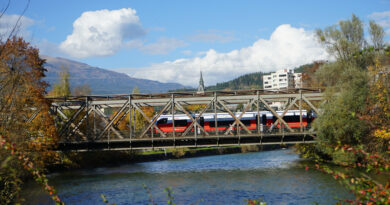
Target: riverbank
{"x":95,"y":159}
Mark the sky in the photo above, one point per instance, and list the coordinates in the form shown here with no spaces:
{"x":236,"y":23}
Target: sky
{"x":173,"y":40}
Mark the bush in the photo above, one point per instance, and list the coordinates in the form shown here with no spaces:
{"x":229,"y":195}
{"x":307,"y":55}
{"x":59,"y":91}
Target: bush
{"x":179,"y":152}
{"x":249,"y":148}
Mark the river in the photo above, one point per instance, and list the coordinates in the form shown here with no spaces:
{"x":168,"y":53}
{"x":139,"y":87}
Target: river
{"x":277,"y":176}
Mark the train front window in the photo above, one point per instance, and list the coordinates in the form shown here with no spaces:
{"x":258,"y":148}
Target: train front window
{"x":162,"y":121}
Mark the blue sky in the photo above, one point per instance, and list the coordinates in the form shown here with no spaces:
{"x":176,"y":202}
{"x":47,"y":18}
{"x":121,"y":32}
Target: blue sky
{"x":171,"y":41}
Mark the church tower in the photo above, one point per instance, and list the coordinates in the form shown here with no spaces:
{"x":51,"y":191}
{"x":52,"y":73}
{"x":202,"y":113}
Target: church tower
{"x":201,"y":84}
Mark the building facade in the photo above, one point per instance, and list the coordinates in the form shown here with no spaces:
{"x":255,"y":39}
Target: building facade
{"x":298,"y":80}
{"x":281,"y":80}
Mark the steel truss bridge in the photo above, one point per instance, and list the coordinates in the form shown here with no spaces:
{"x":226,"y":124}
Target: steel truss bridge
{"x":114,"y":123}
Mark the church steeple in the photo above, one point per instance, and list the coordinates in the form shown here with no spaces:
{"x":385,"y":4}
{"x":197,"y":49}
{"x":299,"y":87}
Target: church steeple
{"x":201,"y":84}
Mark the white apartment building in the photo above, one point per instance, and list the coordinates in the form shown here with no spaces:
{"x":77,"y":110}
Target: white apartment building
{"x":298,"y":80}
{"x":282,"y":79}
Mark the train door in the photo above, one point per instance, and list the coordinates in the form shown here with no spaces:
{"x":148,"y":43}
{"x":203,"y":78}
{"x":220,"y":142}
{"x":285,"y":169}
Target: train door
{"x":201,"y":123}
{"x":263,"y":122}
{"x":309,"y":117}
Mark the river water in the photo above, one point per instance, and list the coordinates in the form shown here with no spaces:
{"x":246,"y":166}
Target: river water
{"x":277,"y":176}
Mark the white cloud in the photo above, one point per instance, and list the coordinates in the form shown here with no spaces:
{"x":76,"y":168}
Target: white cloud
{"x":162,"y":46}
{"x":8,"y":22}
{"x":287,"y":47}
{"x":102,"y":32}
{"x":383,"y":19}
{"x":212,"y":36}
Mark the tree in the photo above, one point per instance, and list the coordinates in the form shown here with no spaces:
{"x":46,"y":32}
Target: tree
{"x":353,"y":128}
{"x":61,"y":89}
{"x":357,"y":90}
{"x":195,"y":108}
{"x":377,"y":33}
{"x":22,"y":92}
{"x":137,"y":119}
{"x":308,"y":75}
{"x":140,"y":121}
{"x":345,"y":40}
{"x":377,"y":114}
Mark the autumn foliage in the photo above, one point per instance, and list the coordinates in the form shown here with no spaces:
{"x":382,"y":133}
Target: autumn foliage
{"x":353,"y":128}
{"x":24,"y":114}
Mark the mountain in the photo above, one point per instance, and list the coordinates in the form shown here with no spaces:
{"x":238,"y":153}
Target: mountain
{"x":100,"y":80}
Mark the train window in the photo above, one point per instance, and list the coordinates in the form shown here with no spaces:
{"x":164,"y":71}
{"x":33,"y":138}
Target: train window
{"x":180,"y":123}
{"x":162,"y":121}
{"x":264,"y":119}
{"x":294,"y":118}
{"x":246,"y":122}
{"x":201,"y":121}
{"x":221,"y":123}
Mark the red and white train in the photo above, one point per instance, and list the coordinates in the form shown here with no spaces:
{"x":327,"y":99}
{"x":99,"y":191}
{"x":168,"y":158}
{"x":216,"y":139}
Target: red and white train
{"x":225,"y":120}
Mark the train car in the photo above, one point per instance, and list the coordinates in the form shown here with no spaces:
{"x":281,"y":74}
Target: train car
{"x":225,"y":121}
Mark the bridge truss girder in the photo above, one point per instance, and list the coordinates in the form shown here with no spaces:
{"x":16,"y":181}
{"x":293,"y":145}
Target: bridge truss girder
{"x":86,"y":109}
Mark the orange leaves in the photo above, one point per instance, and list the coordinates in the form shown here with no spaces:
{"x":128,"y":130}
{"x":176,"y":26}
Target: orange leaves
{"x":195,"y":107}
{"x":23,"y":95}
{"x":382,"y":133}
{"x":137,"y":118}
{"x":31,"y":167}
{"x":22,"y":90}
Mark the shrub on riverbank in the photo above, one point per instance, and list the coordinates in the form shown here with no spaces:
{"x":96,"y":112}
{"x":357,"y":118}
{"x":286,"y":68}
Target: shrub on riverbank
{"x":179,"y":152}
{"x":357,"y":112}
{"x":250,"y":148}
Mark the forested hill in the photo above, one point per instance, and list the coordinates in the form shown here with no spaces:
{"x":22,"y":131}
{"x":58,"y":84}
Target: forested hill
{"x":248,"y":81}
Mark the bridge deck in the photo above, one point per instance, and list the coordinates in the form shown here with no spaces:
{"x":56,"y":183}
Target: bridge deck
{"x":190,"y":141}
